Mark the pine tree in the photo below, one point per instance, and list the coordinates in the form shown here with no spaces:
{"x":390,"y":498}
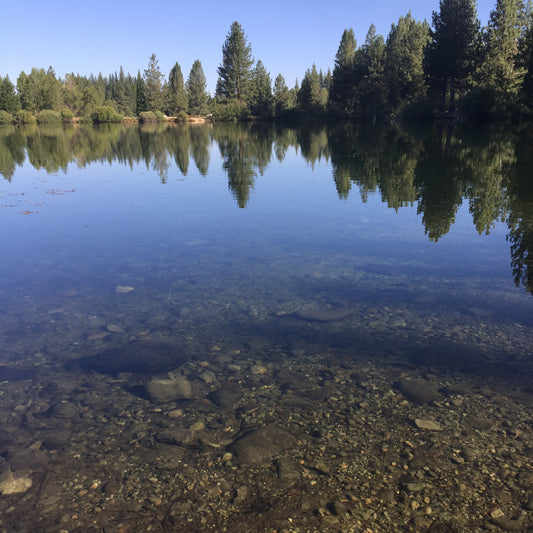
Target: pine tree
{"x":9,"y":100}
{"x":176,"y":97}
{"x":140,"y":99}
{"x":500,"y":71}
{"x":281,"y":96}
{"x":260,"y":91}
{"x":404,"y":60}
{"x":309,"y":96}
{"x":153,"y":89}
{"x":342,"y":83}
{"x":196,"y":90}
{"x":452,"y":54}
{"x":527,"y":85}
{"x":236,"y":69}
{"x":369,"y":69}
{"x":50,"y":91}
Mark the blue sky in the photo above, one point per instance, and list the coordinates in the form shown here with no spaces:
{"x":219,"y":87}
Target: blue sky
{"x":100,"y":36}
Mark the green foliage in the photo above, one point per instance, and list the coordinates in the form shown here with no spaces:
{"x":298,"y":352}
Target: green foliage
{"x":5,"y":117}
{"x":236,"y":70}
{"x":39,"y":90}
{"x":342,"y":84}
{"x":9,"y":100}
{"x":281,"y":97}
{"x":479,"y":105}
{"x":310,"y":96}
{"x":90,"y":100}
{"x":177,"y":100}
{"x":453,"y":52}
{"x":369,"y":69}
{"x":86,"y":120}
{"x":232,"y":111}
{"x":260,"y":91}
{"x":160,"y":117}
{"x":404,"y":61}
{"x":182,"y":117}
{"x":48,"y":116}
{"x":106,"y":115}
{"x":147,"y":116}
{"x":24,"y":117}
{"x":196,"y":90}
{"x":153,"y":85}
{"x":67,"y":116}
{"x":500,"y":70}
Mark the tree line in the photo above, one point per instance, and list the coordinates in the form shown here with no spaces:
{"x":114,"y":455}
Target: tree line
{"x":419,"y":70}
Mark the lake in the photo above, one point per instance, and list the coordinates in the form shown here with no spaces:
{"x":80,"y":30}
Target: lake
{"x":258,"y":328}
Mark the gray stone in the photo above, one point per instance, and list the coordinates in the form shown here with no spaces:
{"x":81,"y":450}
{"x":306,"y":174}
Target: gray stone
{"x":418,"y":390}
{"x":226,"y":398}
{"x":262,"y":444}
{"x":507,"y":524}
{"x":178,"y":437}
{"x":144,"y":357}
{"x":169,"y":390}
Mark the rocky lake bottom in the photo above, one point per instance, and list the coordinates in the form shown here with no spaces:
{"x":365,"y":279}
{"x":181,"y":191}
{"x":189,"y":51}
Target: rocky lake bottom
{"x":112,"y":426}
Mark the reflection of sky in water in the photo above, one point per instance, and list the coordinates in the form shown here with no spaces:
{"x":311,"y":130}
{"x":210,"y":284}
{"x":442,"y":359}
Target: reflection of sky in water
{"x":102,"y":220}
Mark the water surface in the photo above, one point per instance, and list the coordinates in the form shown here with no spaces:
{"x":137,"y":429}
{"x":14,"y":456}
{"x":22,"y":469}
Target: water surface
{"x":258,"y":251}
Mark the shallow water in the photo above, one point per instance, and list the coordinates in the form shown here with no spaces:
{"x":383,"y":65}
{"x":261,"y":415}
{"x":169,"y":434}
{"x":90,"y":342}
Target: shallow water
{"x":335,"y":253}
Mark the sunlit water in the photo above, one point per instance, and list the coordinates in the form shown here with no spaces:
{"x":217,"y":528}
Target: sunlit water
{"x":225,"y":236}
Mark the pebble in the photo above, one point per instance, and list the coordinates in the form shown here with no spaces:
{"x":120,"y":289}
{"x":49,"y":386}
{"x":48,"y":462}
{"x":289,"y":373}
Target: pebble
{"x":123,"y":289}
{"x":258,"y":369}
{"x":427,"y":424}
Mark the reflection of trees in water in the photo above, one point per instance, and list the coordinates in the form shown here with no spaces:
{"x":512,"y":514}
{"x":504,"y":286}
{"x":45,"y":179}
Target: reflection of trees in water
{"x":436,"y":167}
{"x":246,"y":151}
{"x":200,"y":143}
{"x":520,"y":219}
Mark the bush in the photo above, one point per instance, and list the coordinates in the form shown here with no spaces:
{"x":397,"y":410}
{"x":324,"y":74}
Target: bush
{"x":231,"y":112}
{"x":418,"y":110}
{"x":147,"y":116}
{"x":67,"y":115}
{"x":106,"y":114}
{"x":479,"y":105}
{"x":182,"y":117}
{"x":159,"y":116}
{"x":24,"y":117}
{"x":86,"y":120}
{"x":5,"y":117}
{"x":48,"y":116}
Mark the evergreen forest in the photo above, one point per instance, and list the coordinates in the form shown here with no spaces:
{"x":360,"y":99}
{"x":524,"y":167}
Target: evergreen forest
{"x":450,"y":68}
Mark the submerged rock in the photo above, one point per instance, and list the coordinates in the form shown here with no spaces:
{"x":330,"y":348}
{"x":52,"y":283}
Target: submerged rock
{"x":11,"y":484}
{"x":449,"y":355}
{"x":323,"y":314}
{"x":168,"y":390}
{"x":262,"y":444}
{"x":142,"y":357}
{"x":418,"y":390}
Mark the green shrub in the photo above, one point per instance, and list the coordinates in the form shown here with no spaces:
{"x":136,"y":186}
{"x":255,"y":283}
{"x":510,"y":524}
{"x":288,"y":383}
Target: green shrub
{"x":231,"y":112}
{"x":67,"y":116}
{"x":5,"y":117}
{"x":24,"y":117}
{"x":86,"y":120}
{"x":147,"y":116}
{"x":159,"y":116}
{"x":106,"y":114}
{"x":48,"y":116}
{"x":417,"y":110}
{"x":182,"y":117}
{"x":479,"y":105}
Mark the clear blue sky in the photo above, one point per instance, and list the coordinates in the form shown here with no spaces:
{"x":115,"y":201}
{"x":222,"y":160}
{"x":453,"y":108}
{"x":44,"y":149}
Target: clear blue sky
{"x":100,"y":36}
